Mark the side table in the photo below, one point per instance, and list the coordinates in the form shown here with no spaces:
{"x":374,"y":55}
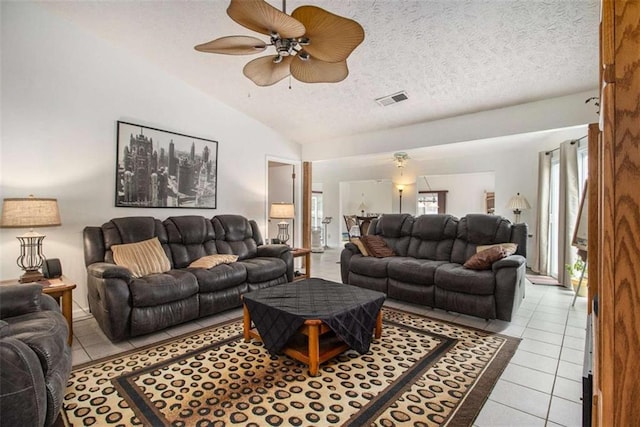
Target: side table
{"x":306,"y":253}
{"x":61,"y":289}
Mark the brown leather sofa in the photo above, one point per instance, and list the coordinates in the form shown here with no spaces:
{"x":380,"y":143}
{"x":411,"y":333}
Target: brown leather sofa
{"x":125,"y":306}
{"x":428,"y":268}
{"x":35,"y":359}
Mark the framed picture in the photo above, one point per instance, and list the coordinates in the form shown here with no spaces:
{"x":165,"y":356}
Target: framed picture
{"x":161,"y":169}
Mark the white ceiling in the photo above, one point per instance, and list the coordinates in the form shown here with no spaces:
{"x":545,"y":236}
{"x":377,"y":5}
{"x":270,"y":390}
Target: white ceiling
{"x":453,"y":57}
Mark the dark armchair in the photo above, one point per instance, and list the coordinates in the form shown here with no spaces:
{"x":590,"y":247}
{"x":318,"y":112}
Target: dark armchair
{"x":35,"y":359}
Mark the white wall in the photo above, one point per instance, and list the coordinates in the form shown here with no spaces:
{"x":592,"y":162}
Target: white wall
{"x":63,"y":90}
{"x":465,"y":190}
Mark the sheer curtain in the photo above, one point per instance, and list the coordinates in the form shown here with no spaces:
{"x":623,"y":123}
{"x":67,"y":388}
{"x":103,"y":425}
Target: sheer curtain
{"x":540,"y":263}
{"x":569,"y":205}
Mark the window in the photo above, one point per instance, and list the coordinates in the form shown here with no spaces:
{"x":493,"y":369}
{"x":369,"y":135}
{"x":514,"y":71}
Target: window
{"x":432,"y":202}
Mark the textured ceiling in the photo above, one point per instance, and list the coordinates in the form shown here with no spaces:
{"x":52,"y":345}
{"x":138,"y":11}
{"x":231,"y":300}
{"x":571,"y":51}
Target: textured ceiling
{"x":451,"y":56}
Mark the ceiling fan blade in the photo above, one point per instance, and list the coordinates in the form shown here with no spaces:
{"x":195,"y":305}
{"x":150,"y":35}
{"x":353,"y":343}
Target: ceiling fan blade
{"x":257,"y":15}
{"x":233,"y":45}
{"x":314,"y":70}
{"x":264,"y":72}
{"x":332,"y":37}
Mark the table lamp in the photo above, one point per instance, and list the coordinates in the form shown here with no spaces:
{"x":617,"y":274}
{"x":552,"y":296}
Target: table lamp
{"x":282,"y":211}
{"x":518,"y":203}
{"x":362,"y":208}
{"x":29,"y":213}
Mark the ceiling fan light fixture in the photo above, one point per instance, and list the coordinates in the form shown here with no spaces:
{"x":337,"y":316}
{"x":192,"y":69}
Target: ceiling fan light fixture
{"x":323,"y":61}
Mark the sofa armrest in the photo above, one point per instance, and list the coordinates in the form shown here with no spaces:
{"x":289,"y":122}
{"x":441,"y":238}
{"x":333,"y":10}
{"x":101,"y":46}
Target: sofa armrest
{"x":279,"y":251}
{"x":352,"y":247}
{"x":23,"y":396}
{"x":276,"y":251}
{"x":48,"y":303}
{"x":19,"y":299}
{"x":345,"y":259}
{"x":512,"y":261}
{"x":105,"y":270}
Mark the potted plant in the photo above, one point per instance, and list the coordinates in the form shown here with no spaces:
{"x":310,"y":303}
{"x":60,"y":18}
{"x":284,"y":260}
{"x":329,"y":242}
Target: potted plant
{"x":574,"y":271}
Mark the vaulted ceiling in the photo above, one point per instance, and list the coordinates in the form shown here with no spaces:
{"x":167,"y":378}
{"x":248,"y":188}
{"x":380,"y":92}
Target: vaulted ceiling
{"x":452,"y":57}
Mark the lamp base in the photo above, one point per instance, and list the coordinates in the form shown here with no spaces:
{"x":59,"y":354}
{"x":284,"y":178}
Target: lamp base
{"x":31,"y":276}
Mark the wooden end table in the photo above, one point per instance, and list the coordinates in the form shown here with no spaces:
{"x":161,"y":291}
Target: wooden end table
{"x":306,"y":253}
{"x":61,"y":289}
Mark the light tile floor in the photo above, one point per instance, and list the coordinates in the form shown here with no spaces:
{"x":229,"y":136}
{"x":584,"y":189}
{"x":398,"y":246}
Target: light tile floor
{"x":541,"y":386}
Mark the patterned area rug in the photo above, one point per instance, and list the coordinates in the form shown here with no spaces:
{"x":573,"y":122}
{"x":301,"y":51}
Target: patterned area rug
{"x":422,"y":372}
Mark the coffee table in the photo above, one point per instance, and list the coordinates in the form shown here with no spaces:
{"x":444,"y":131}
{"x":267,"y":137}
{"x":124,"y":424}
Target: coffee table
{"x":313,"y":320}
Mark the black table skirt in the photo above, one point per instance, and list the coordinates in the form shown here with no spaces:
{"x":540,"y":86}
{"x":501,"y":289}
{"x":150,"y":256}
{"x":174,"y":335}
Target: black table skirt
{"x":279,"y":311}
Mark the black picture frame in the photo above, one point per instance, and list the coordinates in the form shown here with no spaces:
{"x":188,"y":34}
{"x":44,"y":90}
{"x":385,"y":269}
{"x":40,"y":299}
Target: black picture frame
{"x":156,"y":168}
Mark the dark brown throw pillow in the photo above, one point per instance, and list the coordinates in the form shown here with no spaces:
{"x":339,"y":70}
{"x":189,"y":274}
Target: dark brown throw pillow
{"x":484,"y":259}
{"x":376,"y":246}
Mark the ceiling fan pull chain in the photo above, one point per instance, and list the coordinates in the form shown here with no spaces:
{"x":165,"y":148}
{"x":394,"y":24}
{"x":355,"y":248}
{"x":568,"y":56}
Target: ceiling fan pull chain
{"x":289,"y":81}
{"x":284,"y":6}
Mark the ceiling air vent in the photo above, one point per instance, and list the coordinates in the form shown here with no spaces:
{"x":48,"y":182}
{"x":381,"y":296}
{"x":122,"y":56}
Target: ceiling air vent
{"x":392,"y":99}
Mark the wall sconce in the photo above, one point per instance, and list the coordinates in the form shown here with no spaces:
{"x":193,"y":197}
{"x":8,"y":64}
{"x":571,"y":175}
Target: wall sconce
{"x":400,"y":188}
{"x":282,"y":211}
{"x":518,"y":203}
{"x":29,"y":213}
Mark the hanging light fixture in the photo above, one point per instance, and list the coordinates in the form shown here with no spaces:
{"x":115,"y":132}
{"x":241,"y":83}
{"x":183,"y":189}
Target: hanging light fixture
{"x":400,"y":159}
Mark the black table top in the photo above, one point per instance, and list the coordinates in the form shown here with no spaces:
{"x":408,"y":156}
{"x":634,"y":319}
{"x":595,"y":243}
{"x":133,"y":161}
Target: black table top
{"x":279,"y":311}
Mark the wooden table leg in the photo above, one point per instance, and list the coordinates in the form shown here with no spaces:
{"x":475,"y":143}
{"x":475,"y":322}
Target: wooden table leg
{"x":378,"y":332}
{"x":314,"y":347}
{"x":67,"y":312}
{"x":246,"y":320}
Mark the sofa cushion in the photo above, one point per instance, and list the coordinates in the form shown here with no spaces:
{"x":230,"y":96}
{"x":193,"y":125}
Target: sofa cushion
{"x":264,"y":269}
{"x":369,"y":266}
{"x":210,"y":261}
{"x":432,"y":237}
{"x":456,"y":278}
{"x":396,"y":230}
{"x":142,"y":258}
{"x":412,"y":270}
{"x":376,"y":246}
{"x":157,"y":289}
{"x":235,"y":235}
{"x":220,"y":277}
{"x":478,"y":229}
{"x":483,"y":260}
{"x":190,"y":237}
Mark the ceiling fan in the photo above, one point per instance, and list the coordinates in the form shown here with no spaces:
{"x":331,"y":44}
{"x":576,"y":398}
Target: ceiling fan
{"x":312,"y":44}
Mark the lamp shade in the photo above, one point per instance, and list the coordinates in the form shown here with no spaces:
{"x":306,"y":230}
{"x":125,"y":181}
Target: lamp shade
{"x":282,"y":211}
{"x":29,"y":212}
{"x":518,"y":203}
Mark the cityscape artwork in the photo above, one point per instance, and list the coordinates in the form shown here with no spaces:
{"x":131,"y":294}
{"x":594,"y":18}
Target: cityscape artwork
{"x":161,"y":169}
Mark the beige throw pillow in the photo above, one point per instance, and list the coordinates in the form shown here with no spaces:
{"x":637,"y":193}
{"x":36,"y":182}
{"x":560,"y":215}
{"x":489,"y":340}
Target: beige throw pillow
{"x":356,"y":241}
{"x":142,"y":258}
{"x":509,"y":248}
{"x":211,"y":261}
